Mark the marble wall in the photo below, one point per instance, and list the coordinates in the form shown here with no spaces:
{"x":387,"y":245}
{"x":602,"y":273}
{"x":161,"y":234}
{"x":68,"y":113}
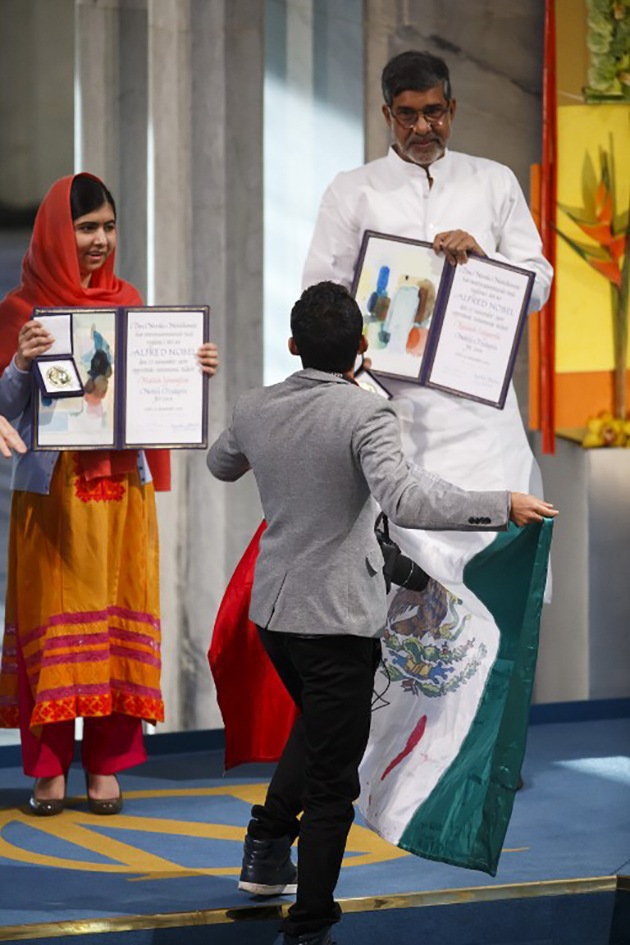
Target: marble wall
{"x":36,"y":88}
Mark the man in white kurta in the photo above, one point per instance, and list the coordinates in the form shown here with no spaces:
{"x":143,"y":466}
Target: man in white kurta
{"x":422,"y":190}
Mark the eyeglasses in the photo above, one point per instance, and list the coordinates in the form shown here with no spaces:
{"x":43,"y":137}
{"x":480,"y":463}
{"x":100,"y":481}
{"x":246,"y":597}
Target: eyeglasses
{"x":409,"y":117}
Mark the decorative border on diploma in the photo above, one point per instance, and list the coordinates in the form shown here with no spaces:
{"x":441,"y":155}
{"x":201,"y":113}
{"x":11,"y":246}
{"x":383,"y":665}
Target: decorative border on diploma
{"x":421,"y":322}
{"x":150,"y":381}
{"x":113,"y":411}
{"x":477,"y":328}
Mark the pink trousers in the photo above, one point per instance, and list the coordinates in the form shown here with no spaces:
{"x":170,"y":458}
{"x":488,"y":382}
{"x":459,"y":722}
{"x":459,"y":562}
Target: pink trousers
{"x":110,"y":743}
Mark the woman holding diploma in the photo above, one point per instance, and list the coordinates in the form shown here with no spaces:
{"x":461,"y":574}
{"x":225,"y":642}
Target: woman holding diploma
{"x":82,"y":633}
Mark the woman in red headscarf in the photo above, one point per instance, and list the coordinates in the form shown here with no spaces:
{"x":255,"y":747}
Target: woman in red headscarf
{"x":82,"y":632}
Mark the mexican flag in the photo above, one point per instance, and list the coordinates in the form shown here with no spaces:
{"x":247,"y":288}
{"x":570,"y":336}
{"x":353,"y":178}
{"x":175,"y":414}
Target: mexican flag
{"x":451,"y":703}
{"x":450,"y":716}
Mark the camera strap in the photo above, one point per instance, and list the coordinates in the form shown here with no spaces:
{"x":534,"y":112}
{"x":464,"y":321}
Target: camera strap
{"x":398,"y":568}
{"x":381,"y":526}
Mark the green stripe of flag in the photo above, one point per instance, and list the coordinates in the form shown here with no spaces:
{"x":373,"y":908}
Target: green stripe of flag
{"x":465,"y":819}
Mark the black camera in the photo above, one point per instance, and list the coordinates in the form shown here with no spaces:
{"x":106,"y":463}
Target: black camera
{"x":398,"y":568}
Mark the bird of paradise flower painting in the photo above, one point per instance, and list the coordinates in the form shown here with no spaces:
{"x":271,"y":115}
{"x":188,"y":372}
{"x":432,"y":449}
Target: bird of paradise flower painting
{"x":605,"y":248}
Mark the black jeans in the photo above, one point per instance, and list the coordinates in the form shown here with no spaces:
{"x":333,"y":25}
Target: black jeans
{"x":330,"y":678}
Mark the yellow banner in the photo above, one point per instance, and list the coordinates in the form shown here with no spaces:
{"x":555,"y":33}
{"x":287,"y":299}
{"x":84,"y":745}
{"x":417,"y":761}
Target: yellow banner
{"x":584,"y":297}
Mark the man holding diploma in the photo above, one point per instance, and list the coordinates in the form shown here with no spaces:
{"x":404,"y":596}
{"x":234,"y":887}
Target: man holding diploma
{"x":422,"y":190}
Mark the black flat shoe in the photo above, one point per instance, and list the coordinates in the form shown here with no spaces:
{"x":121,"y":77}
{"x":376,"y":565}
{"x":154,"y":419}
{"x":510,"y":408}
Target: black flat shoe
{"x":48,"y":807}
{"x":105,"y":807}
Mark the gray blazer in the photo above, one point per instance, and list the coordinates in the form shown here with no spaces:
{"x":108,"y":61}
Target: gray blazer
{"x":322,"y":451}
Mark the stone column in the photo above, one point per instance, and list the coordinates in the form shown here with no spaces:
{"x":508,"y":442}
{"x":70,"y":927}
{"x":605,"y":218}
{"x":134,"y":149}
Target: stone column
{"x":205,"y":207}
{"x":133,"y":137}
{"x":197,"y":200}
{"x":111,"y":112}
{"x":36,"y":78}
{"x":227,"y":250}
{"x":97,"y":93}
{"x":381,"y":24}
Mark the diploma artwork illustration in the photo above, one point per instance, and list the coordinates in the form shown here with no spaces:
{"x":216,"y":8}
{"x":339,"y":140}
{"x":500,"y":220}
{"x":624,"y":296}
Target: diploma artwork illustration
{"x":122,"y":378}
{"x":455,"y":328}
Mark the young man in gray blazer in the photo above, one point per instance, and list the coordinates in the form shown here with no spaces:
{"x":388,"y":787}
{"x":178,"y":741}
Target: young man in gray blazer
{"x":326,"y":454}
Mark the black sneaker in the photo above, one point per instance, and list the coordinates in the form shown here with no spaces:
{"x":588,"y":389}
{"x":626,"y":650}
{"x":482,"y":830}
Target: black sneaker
{"x":267,"y":868}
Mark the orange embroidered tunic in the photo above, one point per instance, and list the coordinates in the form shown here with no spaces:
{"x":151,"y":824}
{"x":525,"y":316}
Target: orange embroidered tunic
{"x":82,"y":610}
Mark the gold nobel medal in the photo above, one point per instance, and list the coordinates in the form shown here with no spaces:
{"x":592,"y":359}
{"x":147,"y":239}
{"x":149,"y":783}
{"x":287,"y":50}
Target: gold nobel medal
{"x":58,"y":376}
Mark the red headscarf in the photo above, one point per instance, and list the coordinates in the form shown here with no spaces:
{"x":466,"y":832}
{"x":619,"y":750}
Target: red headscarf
{"x":51,"y":277}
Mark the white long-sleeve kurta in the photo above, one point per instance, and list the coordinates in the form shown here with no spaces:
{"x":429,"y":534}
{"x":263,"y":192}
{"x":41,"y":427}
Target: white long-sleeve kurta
{"x":471,"y":444}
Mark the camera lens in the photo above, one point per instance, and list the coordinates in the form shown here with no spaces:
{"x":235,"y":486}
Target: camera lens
{"x":406,"y":573}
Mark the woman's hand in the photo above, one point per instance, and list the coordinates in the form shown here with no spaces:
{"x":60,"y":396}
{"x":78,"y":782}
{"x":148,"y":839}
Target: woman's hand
{"x":208,"y":358}
{"x":10,"y":439}
{"x":33,"y":340}
{"x":528,"y":508}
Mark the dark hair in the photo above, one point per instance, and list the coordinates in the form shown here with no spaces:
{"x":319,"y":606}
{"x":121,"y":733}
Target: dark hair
{"x":88,"y":194}
{"x":414,"y":71}
{"x":326,"y":324}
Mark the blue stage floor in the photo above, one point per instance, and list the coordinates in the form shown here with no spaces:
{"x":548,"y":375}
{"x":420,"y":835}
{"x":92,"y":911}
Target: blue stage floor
{"x":177,"y":846}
